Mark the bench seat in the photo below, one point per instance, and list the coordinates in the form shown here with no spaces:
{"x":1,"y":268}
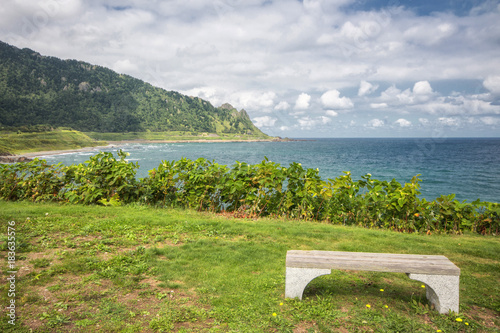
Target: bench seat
{"x":437,"y":272}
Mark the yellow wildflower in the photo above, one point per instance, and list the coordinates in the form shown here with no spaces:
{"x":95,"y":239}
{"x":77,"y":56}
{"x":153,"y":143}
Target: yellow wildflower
{"x":274,"y":314}
{"x":459,"y":320}
{"x":368,"y":306}
{"x":381,"y":289}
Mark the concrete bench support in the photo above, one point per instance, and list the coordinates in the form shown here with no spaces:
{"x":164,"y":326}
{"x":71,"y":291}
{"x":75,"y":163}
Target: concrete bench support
{"x":439,"y":274}
{"x":441,"y":290}
{"x":298,"y":278}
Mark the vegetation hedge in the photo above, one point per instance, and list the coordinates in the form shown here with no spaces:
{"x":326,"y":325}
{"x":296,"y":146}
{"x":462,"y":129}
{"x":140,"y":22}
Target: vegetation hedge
{"x":265,"y":189}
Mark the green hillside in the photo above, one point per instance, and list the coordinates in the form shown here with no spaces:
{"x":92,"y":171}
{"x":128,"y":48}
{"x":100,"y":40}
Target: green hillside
{"x":58,"y":139}
{"x":40,"y":90}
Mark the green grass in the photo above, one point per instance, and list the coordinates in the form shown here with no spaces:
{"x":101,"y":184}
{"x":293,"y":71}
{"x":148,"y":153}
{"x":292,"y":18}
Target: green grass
{"x":61,"y":139}
{"x":140,"y":269}
{"x":17,"y":143}
{"x":174,"y":136}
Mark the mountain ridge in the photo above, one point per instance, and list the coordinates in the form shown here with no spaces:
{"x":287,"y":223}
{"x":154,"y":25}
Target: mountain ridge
{"x":45,"y":90}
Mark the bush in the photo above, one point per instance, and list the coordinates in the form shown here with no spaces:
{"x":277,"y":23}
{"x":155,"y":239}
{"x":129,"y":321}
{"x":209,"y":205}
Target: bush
{"x":35,"y":180}
{"x":265,"y":189}
{"x":103,"y":179}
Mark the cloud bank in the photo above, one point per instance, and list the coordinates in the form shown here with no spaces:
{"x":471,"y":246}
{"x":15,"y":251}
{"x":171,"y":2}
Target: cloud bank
{"x":299,"y":68}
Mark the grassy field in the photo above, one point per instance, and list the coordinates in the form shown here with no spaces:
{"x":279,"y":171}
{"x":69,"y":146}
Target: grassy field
{"x":18,"y":143}
{"x":140,"y":269}
{"x":61,"y":139}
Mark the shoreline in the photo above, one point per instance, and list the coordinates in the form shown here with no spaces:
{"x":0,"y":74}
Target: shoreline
{"x":60,"y":152}
{"x":26,"y":157}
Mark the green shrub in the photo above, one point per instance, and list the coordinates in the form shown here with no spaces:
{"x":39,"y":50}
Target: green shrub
{"x":35,"y":180}
{"x":102,"y":179}
{"x":264,"y":189}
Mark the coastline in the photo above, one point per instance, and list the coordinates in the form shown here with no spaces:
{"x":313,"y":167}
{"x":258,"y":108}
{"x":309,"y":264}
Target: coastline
{"x":60,"y":152}
{"x":28,"y":156}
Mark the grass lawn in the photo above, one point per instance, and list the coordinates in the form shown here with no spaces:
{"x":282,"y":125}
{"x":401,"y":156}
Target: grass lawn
{"x":60,"y":139}
{"x":140,"y":269}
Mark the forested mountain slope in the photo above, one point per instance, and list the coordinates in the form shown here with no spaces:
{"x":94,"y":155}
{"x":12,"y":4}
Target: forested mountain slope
{"x":40,"y":90}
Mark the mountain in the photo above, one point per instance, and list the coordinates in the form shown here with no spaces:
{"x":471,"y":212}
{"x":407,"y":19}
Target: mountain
{"x":41,"y":90}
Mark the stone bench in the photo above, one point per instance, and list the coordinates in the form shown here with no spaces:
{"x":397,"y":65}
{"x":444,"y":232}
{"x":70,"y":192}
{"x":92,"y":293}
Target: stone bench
{"x":440,"y":275}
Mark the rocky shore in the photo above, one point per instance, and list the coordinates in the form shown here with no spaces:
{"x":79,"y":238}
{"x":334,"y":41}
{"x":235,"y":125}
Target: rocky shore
{"x":14,"y":159}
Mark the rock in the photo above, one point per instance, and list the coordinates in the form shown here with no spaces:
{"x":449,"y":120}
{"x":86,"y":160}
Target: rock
{"x":14,"y":159}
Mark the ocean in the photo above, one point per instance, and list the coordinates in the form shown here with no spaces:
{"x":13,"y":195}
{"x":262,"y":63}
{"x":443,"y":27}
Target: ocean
{"x":467,"y":167}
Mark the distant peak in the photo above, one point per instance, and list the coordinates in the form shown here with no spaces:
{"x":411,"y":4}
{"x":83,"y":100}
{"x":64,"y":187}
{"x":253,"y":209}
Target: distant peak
{"x":244,"y":114}
{"x":227,"y":106}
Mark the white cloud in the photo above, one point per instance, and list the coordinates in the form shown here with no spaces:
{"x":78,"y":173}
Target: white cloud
{"x":302,"y":101}
{"x":403,"y":122}
{"x":325,"y":120}
{"x":264,"y":121}
{"x":207,"y":93}
{"x":395,"y":96}
{"x":296,"y":114}
{"x":306,"y":122}
{"x":366,"y":88}
{"x":422,"y":88}
{"x":430,"y":31}
{"x":332,"y":99}
{"x":460,"y":105}
{"x":492,"y":83}
{"x":421,"y":93}
{"x":378,"y":105}
{"x":490,"y":121}
{"x":449,"y":121}
{"x":331,"y":113}
{"x":282,"y":106}
{"x":124,"y":66}
{"x":374,"y":123}
{"x":252,"y":99}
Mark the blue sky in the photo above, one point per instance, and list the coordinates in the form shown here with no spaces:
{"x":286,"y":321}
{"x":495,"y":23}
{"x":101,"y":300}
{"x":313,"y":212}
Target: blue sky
{"x":311,"y":68}
{"x":420,"y":7}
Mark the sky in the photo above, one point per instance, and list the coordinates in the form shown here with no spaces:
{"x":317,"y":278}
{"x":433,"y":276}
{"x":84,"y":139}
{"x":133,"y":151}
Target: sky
{"x":300,"y":68}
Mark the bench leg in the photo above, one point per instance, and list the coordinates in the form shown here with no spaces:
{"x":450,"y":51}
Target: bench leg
{"x":298,"y":278}
{"x":441,"y":290}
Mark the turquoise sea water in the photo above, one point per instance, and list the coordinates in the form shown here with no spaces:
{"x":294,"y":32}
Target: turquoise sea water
{"x":470,"y":168}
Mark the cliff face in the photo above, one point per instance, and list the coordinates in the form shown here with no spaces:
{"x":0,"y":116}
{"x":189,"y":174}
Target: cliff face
{"x":39,"y":90}
{"x":238,"y":122}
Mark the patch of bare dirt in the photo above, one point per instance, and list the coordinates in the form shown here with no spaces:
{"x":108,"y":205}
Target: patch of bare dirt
{"x":79,"y":297}
{"x":485,"y":316}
